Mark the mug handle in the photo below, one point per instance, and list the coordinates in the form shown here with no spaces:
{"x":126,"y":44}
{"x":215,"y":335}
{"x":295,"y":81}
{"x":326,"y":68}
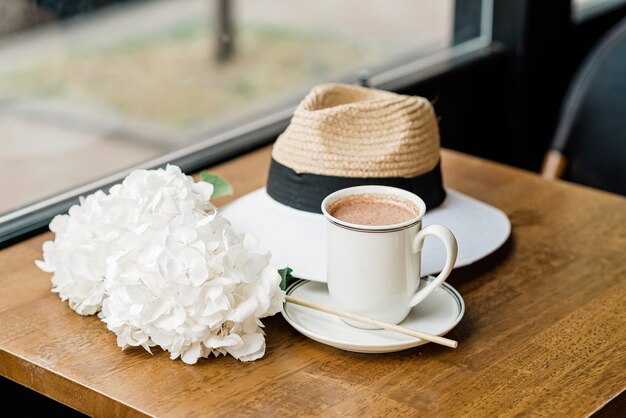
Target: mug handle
{"x":449,"y":241}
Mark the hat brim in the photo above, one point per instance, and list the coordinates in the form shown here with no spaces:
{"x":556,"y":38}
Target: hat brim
{"x":296,"y":238}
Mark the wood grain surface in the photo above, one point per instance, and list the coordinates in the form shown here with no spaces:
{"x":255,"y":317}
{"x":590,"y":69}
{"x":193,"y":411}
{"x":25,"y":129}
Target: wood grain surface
{"x":544,"y":333}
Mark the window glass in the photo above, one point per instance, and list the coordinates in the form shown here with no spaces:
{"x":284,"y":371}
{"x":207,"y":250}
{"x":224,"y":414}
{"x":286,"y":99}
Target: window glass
{"x":92,"y":87}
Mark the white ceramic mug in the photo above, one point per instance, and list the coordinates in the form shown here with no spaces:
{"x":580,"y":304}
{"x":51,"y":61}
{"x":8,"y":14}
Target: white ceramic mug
{"x":374,"y":271}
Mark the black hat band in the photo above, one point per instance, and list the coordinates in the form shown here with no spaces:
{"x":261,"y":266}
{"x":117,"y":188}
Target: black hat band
{"x":305,"y":191}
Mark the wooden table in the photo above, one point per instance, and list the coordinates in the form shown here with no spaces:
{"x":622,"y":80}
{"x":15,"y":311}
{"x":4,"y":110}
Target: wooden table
{"x":544,"y":332}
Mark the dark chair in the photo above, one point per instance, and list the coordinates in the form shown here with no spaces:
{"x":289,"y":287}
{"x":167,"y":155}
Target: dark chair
{"x":589,"y":146}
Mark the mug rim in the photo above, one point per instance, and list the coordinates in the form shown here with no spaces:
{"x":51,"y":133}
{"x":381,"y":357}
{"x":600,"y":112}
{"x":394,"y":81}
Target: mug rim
{"x":380,"y":189}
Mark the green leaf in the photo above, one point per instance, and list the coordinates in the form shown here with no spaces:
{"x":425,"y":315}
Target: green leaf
{"x":286,"y":278}
{"x":221,"y":187}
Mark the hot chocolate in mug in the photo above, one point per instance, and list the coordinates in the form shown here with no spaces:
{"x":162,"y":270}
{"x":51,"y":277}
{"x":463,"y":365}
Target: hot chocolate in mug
{"x":374,"y":240}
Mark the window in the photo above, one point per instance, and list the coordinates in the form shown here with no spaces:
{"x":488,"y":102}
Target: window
{"x":92,"y":89}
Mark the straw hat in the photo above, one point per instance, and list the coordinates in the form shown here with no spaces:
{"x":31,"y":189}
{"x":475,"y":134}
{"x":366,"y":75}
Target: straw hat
{"x":336,"y":127}
{"x":343,"y":136}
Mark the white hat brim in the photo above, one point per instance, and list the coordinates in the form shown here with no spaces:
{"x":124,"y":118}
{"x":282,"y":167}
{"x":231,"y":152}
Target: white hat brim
{"x":296,"y":238}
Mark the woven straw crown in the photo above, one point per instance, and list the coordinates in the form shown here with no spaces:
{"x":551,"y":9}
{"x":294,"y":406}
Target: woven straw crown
{"x":349,"y":131}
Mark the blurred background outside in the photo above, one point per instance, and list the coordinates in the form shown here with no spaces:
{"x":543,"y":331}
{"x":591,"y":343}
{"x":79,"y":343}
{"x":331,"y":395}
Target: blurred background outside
{"x":90,"y":88}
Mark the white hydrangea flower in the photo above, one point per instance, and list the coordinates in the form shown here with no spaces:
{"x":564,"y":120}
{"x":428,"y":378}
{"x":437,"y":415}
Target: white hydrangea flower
{"x":163,"y":268}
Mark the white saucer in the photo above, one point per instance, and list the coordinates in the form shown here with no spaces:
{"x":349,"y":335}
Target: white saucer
{"x":436,"y":315}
